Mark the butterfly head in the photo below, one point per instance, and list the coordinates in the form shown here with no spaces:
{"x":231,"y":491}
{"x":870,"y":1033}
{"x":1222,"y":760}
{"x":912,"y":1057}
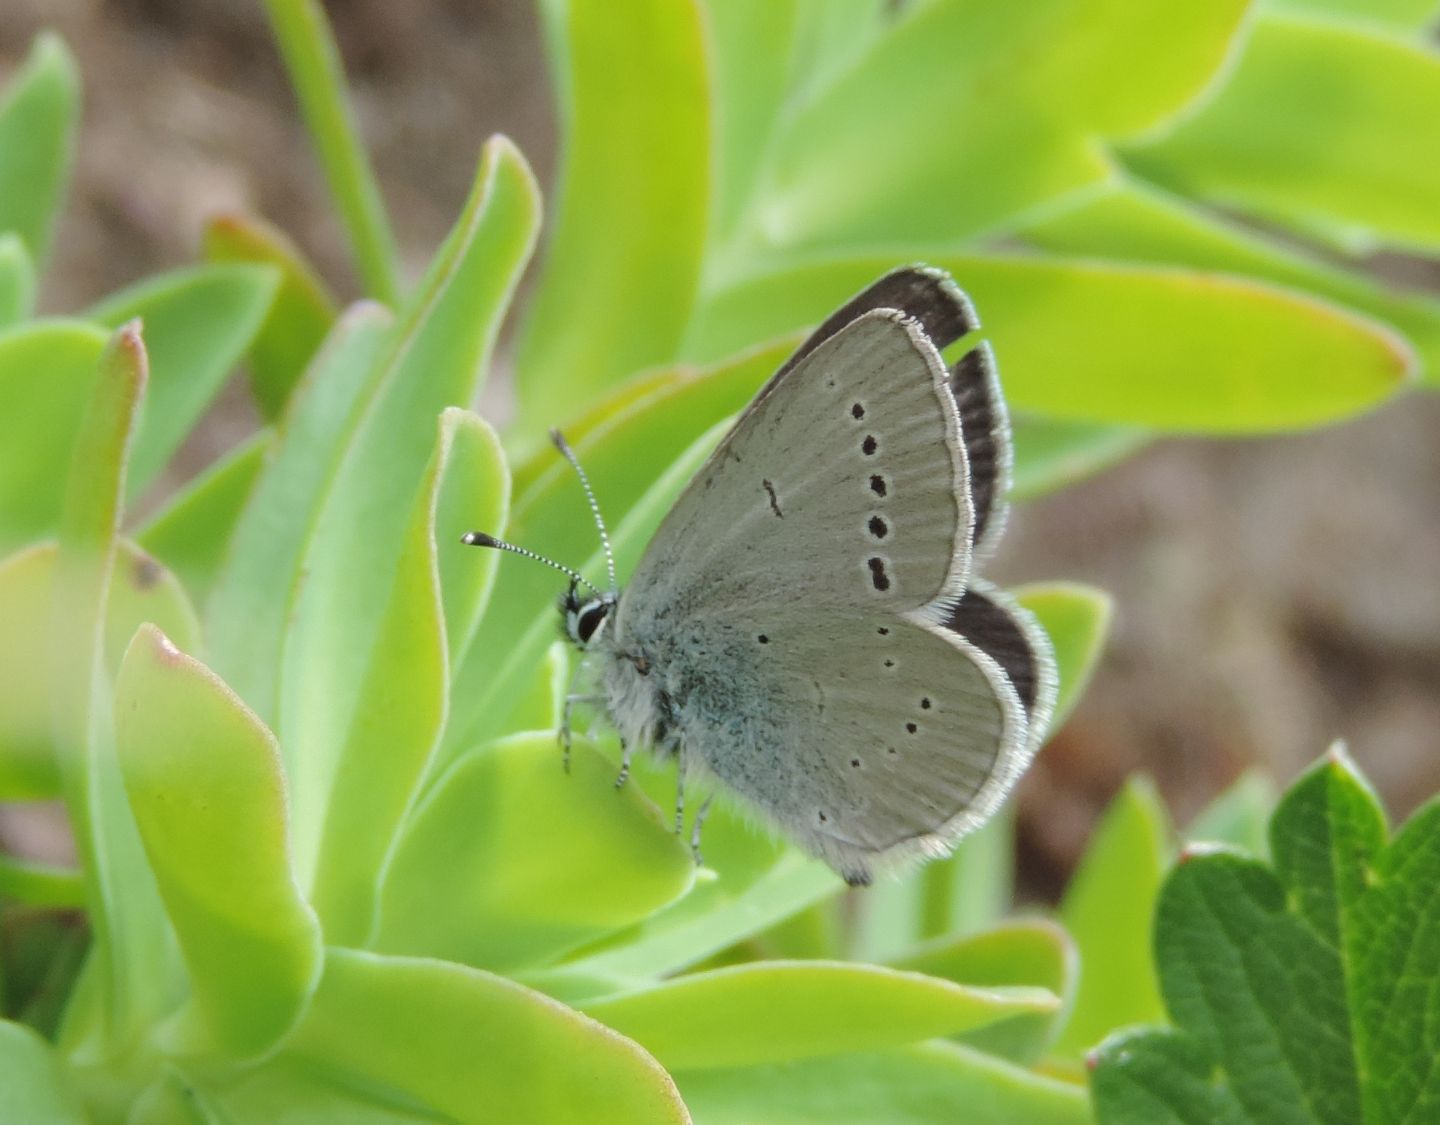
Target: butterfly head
{"x":584,"y":615}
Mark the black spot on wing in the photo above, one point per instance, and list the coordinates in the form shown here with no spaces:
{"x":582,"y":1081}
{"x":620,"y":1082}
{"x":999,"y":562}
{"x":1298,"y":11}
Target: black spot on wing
{"x":990,"y":628}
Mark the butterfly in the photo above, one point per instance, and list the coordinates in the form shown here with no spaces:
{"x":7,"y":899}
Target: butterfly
{"x":807,"y":627}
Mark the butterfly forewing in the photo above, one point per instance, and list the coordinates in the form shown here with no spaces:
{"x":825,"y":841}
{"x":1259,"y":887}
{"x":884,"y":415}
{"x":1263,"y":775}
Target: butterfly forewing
{"x":845,"y":487}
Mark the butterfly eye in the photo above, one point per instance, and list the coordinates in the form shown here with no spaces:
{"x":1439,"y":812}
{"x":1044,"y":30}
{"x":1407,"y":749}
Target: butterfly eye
{"x":589,"y":620}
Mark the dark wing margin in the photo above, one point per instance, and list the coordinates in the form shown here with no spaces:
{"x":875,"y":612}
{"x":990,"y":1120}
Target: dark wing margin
{"x":997,"y":630}
{"x":985,"y":427}
{"x":923,"y":293}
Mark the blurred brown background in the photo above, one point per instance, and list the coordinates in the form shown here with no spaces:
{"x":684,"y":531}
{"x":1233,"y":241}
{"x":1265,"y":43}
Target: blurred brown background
{"x":1271,"y":595}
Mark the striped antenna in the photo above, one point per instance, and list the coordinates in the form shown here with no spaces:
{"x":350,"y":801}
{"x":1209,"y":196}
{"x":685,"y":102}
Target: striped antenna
{"x":480,"y":539}
{"x":569,"y":454}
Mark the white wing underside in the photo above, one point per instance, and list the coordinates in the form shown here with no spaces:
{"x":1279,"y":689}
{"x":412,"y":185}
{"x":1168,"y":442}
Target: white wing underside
{"x":792,"y":612}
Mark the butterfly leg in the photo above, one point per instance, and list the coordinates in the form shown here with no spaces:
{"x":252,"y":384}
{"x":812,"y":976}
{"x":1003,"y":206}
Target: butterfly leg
{"x":625,"y":751}
{"x":565,"y":712}
{"x":679,"y":803}
{"x":695,"y":831}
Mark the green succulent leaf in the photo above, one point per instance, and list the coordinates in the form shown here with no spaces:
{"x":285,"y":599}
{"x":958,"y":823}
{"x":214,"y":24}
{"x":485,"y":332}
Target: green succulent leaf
{"x":300,"y":317}
{"x":249,"y":607}
{"x":1052,"y":454}
{"x":34,"y":1085}
{"x":1404,"y":15}
{"x":131,"y":977}
{"x":318,"y":77}
{"x":17,"y":281}
{"x":517,"y":898}
{"x":38,"y":115}
{"x":1032,"y":953}
{"x":47,"y":373}
{"x":192,"y":532}
{"x":873,"y":158}
{"x":198,"y":323}
{"x":402,"y":707}
{"x":1315,"y":131}
{"x":440,"y":357}
{"x":1138,"y":222}
{"x":907,"y":1086}
{"x":1109,"y":910}
{"x":141,"y":590}
{"x":778,"y":1011}
{"x":39,"y":884}
{"x":624,"y":255}
{"x":409,"y":1030}
{"x":1303,"y":993}
{"x":1097,"y":342}
{"x":205,"y":784}
{"x":1238,"y":816}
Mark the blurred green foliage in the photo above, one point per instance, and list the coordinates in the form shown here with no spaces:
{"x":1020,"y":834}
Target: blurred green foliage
{"x":329,"y":862}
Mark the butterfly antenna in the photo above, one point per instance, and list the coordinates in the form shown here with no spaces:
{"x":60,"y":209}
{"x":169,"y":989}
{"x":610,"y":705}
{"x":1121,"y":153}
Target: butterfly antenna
{"x":480,"y":539}
{"x":569,"y":454}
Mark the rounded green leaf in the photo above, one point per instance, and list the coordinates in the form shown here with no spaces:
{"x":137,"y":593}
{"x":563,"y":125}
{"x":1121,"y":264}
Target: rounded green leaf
{"x":47,"y":371}
{"x":34,"y":1085}
{"x":473,"y":1047}
{"x":623,"y":261}
{"x":1051,"y":454}
{"x":923,"y":1085}
{"x":776,"y":1011}
{"x":38,"y":112}
{"x":527,"y":860}
{"x":1176,"y":350}
{"x":198,"y":323}
{"x":300,"y":317}
{"x":141,"y":590}
{"x":1109,"y":910}
{"x":17,"y":281}
{"x":1322,"y":126}
{"x":208,"y":793}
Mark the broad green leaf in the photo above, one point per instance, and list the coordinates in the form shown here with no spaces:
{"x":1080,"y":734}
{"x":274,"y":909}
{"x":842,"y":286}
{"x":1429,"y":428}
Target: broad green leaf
{"x":300,"y":317}
{"x":282,"y":1088}
{"x":198,"y":323}
{"x":205,"y":783}
{"x":1077,"y":619}
{"x":474,"y":492}
{"x":778,"y":1011}
{"x":541,"y":705}
{"x":519,"y":896}
{"x":1137,"y":222}
{"x":1109,"y":910}
{"x":402,"y":706}
{"x":831,"y":38}
{"x":875,"y":157}
{"x":1097,"y":342}
{"x":141,"y":590}
{"x":132,"y":978}
{"x":47,"y":372}
{"x":1303,"y":993}
{"x":1050,"y":454}
{"x":17,"y":281}
{"x":1321,"y":127}
{"x":1238,"y":816}
{"x":38,"y":111}
{"x":753,"y":45}
{"x":34,"y":1085}
{"x":248,"y":610}
{"x":1404,"y":15}
{"x":626,"y":446}
{"x":192,"y":532}
{"x":624,"y":254}
{"x":440,"y":357}
{"x":317,"y":74}
{"x":473,"y":1047}
{"x":1029,"y":953}
{"x":923,"y":1085}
